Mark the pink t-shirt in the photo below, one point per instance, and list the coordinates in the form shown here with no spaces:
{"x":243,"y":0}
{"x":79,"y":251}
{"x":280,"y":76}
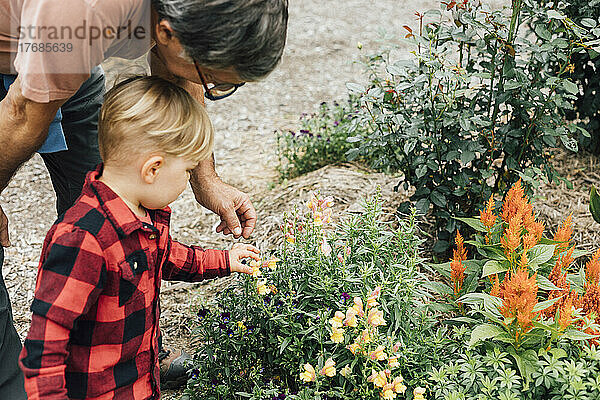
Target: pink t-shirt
{"x":53,"y":44}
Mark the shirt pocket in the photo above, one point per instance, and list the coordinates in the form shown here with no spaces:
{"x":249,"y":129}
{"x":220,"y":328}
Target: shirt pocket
{"x":133,"y":281}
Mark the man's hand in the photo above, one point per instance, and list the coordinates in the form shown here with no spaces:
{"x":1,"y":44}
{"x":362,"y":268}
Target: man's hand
{"x":4,"y":242}
{"x":238,"y":216}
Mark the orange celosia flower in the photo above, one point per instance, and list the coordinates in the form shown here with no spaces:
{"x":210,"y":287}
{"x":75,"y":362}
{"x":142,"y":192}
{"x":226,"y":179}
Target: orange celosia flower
{"x":487,"y":216}
{"x":460,"y":253}
{"x":590,"y":303}
{"x":512,"y":237}
{"x":563,"y":234}
{"x":565,"y":313}
{"x":495,"y":286}
{"x":519,"y":295}
{"x":592,"y":269}
{"x":513,"y":202}
{"x":457,"y":274}
{"x":529,"y":240}
{"x":457,"y":268}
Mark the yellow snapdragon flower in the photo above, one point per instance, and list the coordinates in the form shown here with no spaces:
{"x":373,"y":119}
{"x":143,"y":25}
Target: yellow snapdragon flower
{"x":338,"y":320}
{"x":375,"y":317}
{"x":262,"y":288}
{"x":309,"y":374}
{"x":399,"y":386}
{"x":378,"y":354}
{"x":378,"y":379}
{"x":337,"y":335}
{"x":351,"y":318}
{"x":393,"y":362}
{"x":345,"y":372}
{"x":329,"y":368}
{"x":388,"y":391}
{"x":419,"y":392}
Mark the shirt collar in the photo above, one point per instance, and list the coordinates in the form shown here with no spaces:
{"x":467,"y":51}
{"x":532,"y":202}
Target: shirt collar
{"x":118,"y":213}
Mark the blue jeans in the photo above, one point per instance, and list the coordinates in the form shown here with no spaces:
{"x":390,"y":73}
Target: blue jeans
{"x":67,"y":171}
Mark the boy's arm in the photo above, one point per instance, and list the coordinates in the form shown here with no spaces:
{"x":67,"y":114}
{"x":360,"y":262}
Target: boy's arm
{"x":194,"y":264}
{"x":69,"y":282}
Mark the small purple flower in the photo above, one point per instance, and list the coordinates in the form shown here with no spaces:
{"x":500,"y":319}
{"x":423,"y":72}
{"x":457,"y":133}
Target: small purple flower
{"x":214,"y":381}
{"x":202,"y":313}
{"x":293,"y":133}
{"x":336,"y":123}
{"x":195,"y":373}
{"x":229,"y":332}
{"x":344,"y":297}
{"x":304,"y":131}
{"x":222,"y":326}
{"x":250,"y":328}
{"x":226,"y":315}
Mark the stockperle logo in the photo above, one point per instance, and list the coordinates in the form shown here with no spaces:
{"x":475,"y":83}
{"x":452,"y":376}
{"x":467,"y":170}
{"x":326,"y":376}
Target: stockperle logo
{"x":76,"y":47}
{"x":83,"y":31}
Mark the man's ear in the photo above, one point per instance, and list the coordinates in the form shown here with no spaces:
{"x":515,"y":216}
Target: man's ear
{"x":151,"y":168}
{"x":164,"y":32}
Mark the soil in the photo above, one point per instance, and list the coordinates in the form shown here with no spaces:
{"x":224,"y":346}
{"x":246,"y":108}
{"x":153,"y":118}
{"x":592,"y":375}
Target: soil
{"x":318,"y":61}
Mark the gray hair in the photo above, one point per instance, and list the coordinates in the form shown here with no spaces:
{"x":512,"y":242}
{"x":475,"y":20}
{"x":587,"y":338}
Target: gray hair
{"x":248,"y":35}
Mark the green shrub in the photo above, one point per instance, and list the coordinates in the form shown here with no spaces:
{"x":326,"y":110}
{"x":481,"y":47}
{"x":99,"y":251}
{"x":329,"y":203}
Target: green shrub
{"x":260,"y":333}
{"x":322,"y":140}
{"x":474,"y":109}
{"x":491,"y":373}
{"x":585,"y":66}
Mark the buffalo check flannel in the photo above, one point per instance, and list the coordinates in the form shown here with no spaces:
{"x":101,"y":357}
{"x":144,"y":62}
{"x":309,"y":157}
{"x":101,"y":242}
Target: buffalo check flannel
{"x":94,"y":329}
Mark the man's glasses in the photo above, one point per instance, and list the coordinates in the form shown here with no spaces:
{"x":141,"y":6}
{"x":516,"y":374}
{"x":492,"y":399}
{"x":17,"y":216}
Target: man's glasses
{"x":218,"y":91}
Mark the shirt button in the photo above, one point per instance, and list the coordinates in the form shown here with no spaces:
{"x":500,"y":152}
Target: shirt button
{"x":152,"y":236}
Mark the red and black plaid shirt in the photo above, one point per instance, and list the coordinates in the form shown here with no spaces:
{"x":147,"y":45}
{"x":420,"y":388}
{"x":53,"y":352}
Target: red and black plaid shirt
{"x":95,"y":314}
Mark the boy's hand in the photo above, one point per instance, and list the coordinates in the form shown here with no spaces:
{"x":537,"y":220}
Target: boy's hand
{"x":238,"y":252}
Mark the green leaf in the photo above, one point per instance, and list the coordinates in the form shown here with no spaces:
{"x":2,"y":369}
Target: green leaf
{"x":510,"y":85}
{"x":355,"y":88}
{"x":570,"y":87}
{"x":595,"y":204}
{"x":438,"y":287}
{"x":553,"y":14}
{"x":545,"y":304}
{"x":484,"y":332}
{"x":545,"y":283}
{"x":540,"y":254}
{"x":474,"y":223}
{"x":285,"y":344}
{"x":527,"y":362}
{"x":574,"y":334}
{"x":493,"y":267}
{"x":438,"y":199}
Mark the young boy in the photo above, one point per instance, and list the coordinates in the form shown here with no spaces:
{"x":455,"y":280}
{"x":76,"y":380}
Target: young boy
{"x":95,"y":314}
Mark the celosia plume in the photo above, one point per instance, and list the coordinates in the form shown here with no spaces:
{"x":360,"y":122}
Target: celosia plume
{"x":563,"y":234}
{"x":592,"y":269}
{"x":487,"y":216}
{"x":519,"y":297}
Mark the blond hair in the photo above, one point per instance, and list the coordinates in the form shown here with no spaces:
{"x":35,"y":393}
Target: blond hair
{"x":147,"y":113}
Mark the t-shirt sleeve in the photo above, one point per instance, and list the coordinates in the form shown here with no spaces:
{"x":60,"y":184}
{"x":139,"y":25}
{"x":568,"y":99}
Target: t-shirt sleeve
{"x":59,"y":43}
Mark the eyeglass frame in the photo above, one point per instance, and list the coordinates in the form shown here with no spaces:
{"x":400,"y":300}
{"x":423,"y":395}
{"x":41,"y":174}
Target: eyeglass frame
{"x":207,"y":90}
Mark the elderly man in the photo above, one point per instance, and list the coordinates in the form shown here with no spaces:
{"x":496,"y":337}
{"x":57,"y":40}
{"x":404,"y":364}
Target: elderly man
{"x":51,"y":87}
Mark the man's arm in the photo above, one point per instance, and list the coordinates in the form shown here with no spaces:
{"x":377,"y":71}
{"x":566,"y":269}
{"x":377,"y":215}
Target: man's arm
{"x":23,"y":129}
{"x":237,"y":213}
